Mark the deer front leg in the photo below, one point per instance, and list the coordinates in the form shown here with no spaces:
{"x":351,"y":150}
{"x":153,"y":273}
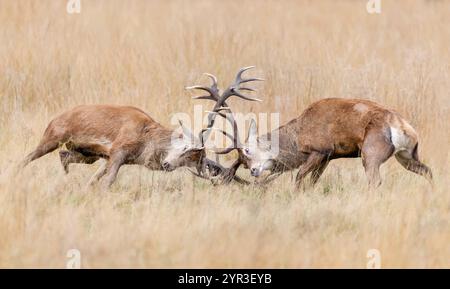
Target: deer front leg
{"x":230,"y":174}
{"x":98,"y":174}
{"x":318,"y":171}
{"x":115,"y":161}
{"x":313,"y":162}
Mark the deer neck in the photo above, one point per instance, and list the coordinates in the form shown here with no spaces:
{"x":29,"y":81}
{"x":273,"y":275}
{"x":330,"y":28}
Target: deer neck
{"x":156,"y":147}
{"x":287,"y":156}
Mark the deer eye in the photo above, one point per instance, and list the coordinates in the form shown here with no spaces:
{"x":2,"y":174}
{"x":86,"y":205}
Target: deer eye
{"x":247,"y":151}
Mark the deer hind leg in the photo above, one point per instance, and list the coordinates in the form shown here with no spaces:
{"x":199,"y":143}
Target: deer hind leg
{"x":313,"y":163}
{"x":410,"y":161}
{"x":71,"y":157}
{"x":51,"y":140}
{"x":376,"y":149}
{"x":44,"y":147}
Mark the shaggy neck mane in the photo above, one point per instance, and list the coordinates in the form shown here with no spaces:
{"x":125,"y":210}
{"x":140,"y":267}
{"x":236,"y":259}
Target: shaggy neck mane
{"x":158,"y":142}
{"x":287,"y":157}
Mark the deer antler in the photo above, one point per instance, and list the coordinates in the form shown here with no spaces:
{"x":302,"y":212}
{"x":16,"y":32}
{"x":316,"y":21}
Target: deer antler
{"x":213,"y":90}
{"x":234,"y":89}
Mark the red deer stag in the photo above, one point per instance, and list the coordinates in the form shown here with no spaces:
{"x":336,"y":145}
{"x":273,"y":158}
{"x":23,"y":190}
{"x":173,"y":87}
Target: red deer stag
{"x":120,"y":134}
{"x":330,"y":129}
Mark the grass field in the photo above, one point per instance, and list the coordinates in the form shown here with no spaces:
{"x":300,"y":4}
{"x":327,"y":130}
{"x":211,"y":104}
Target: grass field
{"x":144,"y":53}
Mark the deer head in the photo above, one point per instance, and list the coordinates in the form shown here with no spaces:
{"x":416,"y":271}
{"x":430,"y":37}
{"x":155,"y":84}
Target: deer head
{"x":185,"y":150}
{"x":256,"y":154}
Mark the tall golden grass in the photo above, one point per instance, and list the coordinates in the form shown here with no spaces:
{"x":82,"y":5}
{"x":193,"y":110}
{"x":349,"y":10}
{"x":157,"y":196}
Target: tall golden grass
{"x":144,"y":53}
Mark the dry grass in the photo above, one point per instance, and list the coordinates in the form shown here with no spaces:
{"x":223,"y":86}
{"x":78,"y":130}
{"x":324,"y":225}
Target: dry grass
{"x":143,"y":53}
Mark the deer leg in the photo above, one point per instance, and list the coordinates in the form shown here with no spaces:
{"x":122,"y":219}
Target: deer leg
{"x":312,"y":163}
{"x":411,"y":163}
{"x":231,"y":173}
{"x":112,"y":167}
{"x":44,"y":147}
{"x":318,"y":171}
{"x":240,"y":180}
{"x":270,"y":178}
{"x":65,"y":157}
{"x":98,"y":174}
{"x":69,"y":157}
{"x":376,"y":149}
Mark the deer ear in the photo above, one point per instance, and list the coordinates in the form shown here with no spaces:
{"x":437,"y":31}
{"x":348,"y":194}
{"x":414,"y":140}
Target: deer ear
{"x":186,"y":132}
{"x":252,"y":133}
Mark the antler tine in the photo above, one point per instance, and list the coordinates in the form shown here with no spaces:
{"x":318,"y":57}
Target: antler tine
{"x":225,"y":151}
{"x":219,"y":110}
{"x":248,"y":89}
{"x":234,"y":138}
{"x":201,"y":136}
{"x":198,"y":87}
{"x":239,"y":80}
{"x":213,"y":90}
{"x":242,"y":70}
{"x":245,"y":97}
{"x":229,"y":117}
{"x":214,"y":80}
{"x":251,"y":79}
{"x":234,"y":88}
{"x":208,"y":129}
{"x":208,"y":97}
{"x":212,"y":94}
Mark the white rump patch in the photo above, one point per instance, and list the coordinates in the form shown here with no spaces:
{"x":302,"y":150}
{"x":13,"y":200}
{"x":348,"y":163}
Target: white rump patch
{"x":360,"y":107}
{"x":400,"y":140}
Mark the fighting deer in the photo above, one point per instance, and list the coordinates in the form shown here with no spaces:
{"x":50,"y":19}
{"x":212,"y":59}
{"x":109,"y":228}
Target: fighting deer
{"x":128,"y":135}
{"x":121,"y":135}
{"x":330,"y":129}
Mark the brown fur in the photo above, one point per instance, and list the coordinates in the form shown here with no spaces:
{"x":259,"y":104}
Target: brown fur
{"x":344,"y":128}
{"x":120,"y":134}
